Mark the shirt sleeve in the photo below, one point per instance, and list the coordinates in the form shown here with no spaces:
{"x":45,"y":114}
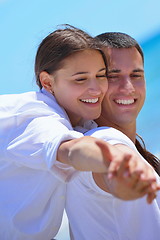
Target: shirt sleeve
{"x":35,"y":144}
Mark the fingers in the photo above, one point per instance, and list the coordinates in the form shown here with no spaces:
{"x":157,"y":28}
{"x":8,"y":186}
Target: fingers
{"x":134,"y":182}
{"x":120,"y":167}
{"x":151,"y":197}
{"x":153,"y":192}
{"x":123,"y":168}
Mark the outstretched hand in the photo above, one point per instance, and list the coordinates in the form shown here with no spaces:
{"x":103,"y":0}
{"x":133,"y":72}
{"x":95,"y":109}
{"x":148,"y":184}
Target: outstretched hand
{"x":129,"y":176}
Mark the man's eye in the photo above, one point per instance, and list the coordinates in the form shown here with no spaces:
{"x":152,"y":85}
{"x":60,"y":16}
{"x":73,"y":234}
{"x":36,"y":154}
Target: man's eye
{"x":136,"y":76}
{"x":112,"y":78}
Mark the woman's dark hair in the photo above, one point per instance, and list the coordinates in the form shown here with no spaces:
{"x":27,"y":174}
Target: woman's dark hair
{"x":119,"y":40}
{"x":59,"y":45}
{"x":151,"y":159}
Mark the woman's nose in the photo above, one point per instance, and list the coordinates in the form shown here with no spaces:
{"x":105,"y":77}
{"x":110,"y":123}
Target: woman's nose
{"x":94,"y":87}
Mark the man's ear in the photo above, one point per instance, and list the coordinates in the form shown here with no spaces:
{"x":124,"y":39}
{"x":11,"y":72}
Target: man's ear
{"x":47,"y":81}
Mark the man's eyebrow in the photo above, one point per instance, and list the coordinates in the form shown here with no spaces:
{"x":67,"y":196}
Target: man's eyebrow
{"x":138,"y":70}
{"x":118,"y":70}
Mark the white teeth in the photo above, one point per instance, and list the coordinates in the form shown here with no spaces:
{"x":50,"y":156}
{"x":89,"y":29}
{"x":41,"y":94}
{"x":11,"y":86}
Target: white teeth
{"x":90,"y":100}
{"x":124,"y":102}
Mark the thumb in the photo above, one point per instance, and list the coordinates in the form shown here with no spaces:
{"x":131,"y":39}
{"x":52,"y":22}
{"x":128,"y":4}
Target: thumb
{"x":106,"y":149}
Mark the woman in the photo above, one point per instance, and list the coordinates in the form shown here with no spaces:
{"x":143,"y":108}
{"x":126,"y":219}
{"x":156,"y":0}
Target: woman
{"x":71,"y":73}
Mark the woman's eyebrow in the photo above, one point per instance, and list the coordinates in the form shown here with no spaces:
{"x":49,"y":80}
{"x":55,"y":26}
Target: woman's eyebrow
{"x":79,"y":73}
{"x":102,"y":69}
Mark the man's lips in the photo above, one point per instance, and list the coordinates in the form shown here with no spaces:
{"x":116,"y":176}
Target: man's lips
{"x":125,"y":101}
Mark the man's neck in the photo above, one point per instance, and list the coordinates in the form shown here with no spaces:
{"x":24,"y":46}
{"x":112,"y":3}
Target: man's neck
{"x":128,"y":129}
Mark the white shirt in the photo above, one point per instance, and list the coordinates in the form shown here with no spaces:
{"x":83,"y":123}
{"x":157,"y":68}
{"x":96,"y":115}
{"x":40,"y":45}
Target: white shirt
{"x":97,"y":215}
{"x":32,"y":182}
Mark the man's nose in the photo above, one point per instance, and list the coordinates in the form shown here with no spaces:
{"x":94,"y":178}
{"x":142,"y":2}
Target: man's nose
{"x":127,"y":85}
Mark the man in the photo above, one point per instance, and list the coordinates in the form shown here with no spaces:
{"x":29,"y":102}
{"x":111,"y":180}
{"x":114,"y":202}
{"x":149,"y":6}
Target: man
{"x":125,"y":95}
{"x":93,"y":212}
{"x":126,"y":91}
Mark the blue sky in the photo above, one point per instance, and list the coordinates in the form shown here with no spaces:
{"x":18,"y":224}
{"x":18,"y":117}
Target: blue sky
{"x":24,"y":23}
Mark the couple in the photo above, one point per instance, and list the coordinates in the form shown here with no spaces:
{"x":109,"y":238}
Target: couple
{"x":45,"y":164}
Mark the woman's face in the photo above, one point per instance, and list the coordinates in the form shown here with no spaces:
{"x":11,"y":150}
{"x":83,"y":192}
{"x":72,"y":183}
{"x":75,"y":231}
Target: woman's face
{"x":80,"y":85}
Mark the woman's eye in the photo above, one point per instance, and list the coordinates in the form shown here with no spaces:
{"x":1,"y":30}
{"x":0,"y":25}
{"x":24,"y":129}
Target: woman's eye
{"x":102,"y":76}
{"x":80,"y":79}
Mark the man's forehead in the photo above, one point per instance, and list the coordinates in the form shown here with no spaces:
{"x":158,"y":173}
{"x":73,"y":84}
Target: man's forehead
{"x":114,"y":52}
{"x":121,"y":58}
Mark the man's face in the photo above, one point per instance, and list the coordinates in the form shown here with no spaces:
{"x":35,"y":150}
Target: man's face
{"x":126,"y":87}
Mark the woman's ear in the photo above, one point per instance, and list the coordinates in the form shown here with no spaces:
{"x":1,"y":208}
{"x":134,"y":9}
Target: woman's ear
{"x":47,"y":81}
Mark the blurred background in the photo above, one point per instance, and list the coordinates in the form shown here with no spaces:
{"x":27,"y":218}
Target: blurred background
{"x":24,"y":23}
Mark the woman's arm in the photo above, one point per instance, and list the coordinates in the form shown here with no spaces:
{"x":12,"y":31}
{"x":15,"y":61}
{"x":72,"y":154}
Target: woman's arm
{"x":128,"y":179}
{"x":84,"y":154}
{"x":116,"y":169}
